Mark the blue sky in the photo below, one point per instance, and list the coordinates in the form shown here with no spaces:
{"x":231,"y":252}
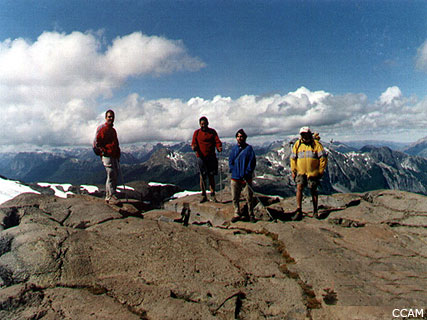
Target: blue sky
{"x":334,"y":57}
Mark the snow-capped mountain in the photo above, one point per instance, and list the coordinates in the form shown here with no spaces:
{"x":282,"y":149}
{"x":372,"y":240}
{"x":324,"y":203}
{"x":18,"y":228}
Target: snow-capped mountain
{"x":418,"y":148}
{"x":354,"y":171}
{"x":357,"y":171}
{"x":349,"y":169}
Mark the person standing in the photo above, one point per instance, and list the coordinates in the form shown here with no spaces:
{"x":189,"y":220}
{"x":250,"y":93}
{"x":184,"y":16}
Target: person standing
{"x":242,"y":162}
{"x":107,"y":145}
{"x":204,"y":142}
{"x":308,"y":163}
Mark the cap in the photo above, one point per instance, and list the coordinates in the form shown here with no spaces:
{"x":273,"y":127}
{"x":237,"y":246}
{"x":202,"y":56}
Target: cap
{"x":304,"y":130}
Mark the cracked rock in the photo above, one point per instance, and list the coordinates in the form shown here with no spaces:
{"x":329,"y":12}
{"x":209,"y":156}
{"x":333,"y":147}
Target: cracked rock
{"x":79,"y":258}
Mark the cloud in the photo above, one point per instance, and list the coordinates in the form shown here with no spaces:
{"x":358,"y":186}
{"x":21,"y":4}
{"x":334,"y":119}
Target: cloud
{"x":50,"y":91}
{"x":49,"y":88}
{"x":138,"y":54}
{"x":390,"y":95}
{"x":421,"y":58}
{"x":347,"y":117}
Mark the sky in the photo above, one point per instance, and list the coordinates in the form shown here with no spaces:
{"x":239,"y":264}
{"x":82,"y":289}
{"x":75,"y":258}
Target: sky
{"x":351,"y":70}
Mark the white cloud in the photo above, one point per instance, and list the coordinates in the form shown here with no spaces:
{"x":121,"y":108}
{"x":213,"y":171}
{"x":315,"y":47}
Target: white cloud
{"x":390,"y":95}
{"x":137,"y":54}
{"x":49,"y":92}
{"x":49,"y":88}
{"x":421,"y":58}
{"x":349,"y":115}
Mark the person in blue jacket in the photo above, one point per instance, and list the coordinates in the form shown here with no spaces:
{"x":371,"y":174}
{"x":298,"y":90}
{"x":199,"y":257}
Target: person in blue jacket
{"x":242,"y":164}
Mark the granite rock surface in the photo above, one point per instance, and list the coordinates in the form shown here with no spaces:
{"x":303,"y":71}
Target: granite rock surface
{"x":79,"y":258}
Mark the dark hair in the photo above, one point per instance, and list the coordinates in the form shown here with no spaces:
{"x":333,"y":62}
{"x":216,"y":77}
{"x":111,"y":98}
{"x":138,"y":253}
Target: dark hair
{"x":109,"y":111}
{"x":203,"y":119}
{"x":242,"y":132}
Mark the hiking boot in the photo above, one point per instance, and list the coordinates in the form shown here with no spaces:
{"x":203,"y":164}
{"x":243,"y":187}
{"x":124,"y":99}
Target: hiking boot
{"x":204,"y":199}
{"x":316,"y":214}
{"x":298,"y":215}
{"x":213,"y":199}
{"x":236,"y":218}
{"x":113,"y":200}
{"x":252,"y":218}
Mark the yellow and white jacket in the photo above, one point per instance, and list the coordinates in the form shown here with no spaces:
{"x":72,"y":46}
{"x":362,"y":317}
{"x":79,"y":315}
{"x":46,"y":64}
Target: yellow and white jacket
{"x":308,"y":159}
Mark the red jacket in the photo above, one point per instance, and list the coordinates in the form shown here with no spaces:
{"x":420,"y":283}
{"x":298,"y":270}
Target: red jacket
{"x":205,"y":142}
{"x":106,"y":140}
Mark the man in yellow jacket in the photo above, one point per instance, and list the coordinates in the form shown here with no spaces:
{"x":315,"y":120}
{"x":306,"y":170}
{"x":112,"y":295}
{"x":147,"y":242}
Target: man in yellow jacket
{"x":308,"y":163}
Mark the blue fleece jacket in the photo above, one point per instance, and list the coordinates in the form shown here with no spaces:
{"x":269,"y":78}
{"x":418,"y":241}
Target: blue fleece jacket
{"x":242,"y":162}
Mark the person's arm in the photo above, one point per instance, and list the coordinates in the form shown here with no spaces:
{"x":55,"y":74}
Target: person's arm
{"x":250,"y":168}
{"x":323,"y":159}
{"x":99,"y":139}
{"x":231,"y":159}
{"x":111,"y":142}
{"x":218,"y":142}
{"x":195,"y":143}
{"x":293,"y":160}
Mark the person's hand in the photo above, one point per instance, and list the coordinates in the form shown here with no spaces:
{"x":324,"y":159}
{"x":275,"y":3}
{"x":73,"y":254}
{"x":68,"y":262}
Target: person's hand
{"x":220,"y":149}
{"x":293,"y":175}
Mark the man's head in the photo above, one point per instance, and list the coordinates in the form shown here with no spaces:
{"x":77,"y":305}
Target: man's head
{"x":203,"y":122}
{"x":306,"y":134}
{"x":109,"y":116}
{"x":241,"y":137}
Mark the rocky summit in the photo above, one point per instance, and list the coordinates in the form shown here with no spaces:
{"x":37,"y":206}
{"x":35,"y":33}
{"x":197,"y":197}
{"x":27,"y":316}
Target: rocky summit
{"x":79,"y":258}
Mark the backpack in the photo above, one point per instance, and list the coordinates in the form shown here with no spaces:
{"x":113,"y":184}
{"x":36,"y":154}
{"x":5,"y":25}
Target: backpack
{"x":97,"y":151}
{"x":95,"y":148}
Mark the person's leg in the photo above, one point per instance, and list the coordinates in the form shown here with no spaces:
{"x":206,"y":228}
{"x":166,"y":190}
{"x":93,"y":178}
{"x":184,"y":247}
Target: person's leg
{"x":203,"y":172}
{"x":203,"y":187}
{"x":313,"y":184}
{"x":301,"y":182}
{"x":236,"y":190}
{"x":212,"y":170}
{"x":211,"y":178}
{"x":250,"y":199}
{"x":235,"y":196}
{"x":300,"y":189}
{"x":108,"y":184}
{"x":315,"y":199}
{"x":106,"y":161}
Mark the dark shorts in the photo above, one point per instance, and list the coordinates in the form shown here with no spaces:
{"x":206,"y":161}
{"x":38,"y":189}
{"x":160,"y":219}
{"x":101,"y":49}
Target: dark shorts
{"x":208,"y":166}
{"x":312,"y":182}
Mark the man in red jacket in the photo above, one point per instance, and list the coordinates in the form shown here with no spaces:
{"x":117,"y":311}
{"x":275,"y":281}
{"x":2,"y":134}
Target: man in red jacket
{"x":108,"y":144}
{"x":204,"y":142}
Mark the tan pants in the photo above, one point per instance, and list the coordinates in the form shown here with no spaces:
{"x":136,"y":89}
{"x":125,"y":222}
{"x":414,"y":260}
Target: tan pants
{"x":236,"y":189}
{"x":112,"y":167}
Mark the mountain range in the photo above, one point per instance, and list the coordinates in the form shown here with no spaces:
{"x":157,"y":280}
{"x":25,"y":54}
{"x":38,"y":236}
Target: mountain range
{"x":65,"y":253}
{"x":350,"y":169}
